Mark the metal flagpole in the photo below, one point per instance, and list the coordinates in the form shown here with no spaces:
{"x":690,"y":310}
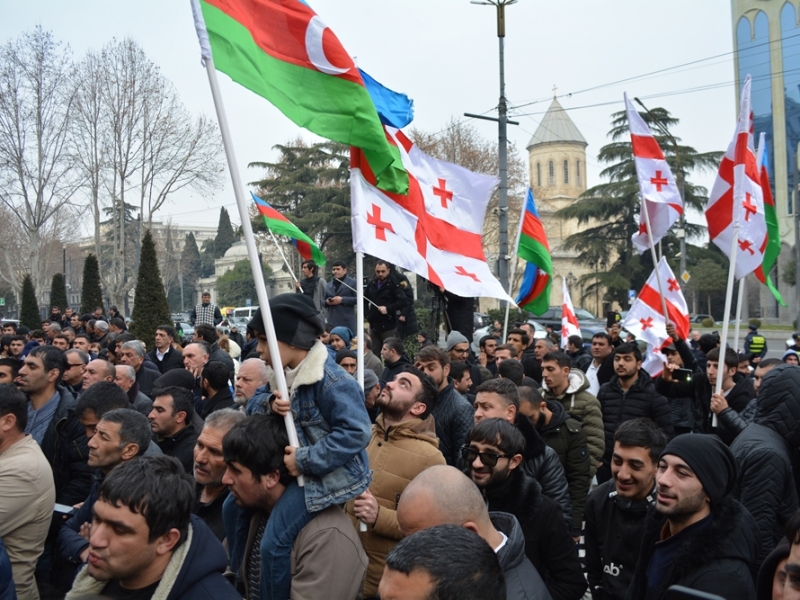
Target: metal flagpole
{"x":283,"y":256}
{"x":655,"y":261}
{"x":738,"y":316}
{"x":354,"y":289}
{"x":252,"y":251}
{"x":514,"y":265}
{"x":728,"y":299}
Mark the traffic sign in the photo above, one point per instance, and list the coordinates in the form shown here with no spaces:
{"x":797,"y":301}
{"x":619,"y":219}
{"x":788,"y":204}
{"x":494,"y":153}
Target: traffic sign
{"x":2,"y":301}
{"x":685,"y":276}
{"x":247,"y":302}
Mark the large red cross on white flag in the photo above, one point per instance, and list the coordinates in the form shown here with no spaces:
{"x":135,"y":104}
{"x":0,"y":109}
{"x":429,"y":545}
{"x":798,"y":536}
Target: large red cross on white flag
{"x":660,"y":195}
{"x":569,"y":322}
{"x":737,"y":196}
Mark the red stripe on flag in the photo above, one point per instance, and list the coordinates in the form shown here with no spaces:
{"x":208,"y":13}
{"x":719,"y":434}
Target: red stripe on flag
{"x":652,"y":298}
{"x":303,"y":248}
{"x":270,"y":213}
{"x":532,"y":227}
{"x":765,"y":187}
{"x":404,"y":141}
{"x":645,"y":146}
{"x":720,"y":214}
{"x":539,"y":284}
{"x":743,"y":155}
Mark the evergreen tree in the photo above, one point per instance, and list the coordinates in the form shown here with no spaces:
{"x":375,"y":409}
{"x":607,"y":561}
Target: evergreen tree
{"x":91,"y":294}
{"x":225,"y":235}
{"x":237,"y":285}
{"x":190,"y":261}
{"x":58,"y":292}
{"x":29,"y":312}
{"x":612,"y":209}
{"x":150,"y":308}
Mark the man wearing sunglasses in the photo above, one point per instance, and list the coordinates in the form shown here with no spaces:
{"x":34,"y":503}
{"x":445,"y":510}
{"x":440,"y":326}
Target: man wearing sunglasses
{"x":493,"y":456}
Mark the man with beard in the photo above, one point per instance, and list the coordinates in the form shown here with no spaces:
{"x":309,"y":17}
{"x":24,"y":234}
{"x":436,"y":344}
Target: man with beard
{"x":312,"y":285}
{"x":616,"y":510}
{"x":486,"y":358}
{"x":699,"y":536}
{"x":403,"y":444}
{"x":250,"y":381}
{"x":629,"y":395}
{"x":494,"y":455}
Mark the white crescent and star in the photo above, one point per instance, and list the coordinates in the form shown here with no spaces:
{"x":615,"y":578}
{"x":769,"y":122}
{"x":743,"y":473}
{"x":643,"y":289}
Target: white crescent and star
{"x":316,"y":51}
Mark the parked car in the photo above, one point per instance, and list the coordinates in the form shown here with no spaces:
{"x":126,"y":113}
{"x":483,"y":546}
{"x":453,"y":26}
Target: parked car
{"x":552,"y":317}
{"x":185,"y":332}
{"x":701,"y":318}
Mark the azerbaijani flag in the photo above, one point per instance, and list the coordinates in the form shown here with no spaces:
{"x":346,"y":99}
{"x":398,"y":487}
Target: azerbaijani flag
{"x":282,"y":51}
{"x":279,"y":224}
{"x":773,"y":233}
{"x":532,"y":246}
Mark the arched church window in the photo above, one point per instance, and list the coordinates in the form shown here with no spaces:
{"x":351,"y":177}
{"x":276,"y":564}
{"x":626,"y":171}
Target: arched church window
{"x":566,"y":171}
{"x":551,"y":174}
{"x":539,"y":174}
{"x":578,"y":171}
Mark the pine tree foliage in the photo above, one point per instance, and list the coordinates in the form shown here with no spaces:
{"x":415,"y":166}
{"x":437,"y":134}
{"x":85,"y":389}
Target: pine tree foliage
{"x":237,"y":285}
{"x":58,"y":292}
{"x":91,"y":293}
{"x":225,"y":234}
{"x":29,"y":312}
{"x":150,"y":307}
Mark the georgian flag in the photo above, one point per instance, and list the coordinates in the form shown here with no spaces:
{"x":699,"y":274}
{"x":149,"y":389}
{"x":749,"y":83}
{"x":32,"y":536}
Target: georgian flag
{"x":653,"y":361}
{"x":660,"y":195}
{"x":737,"y":197}
{"x":569,"y":322}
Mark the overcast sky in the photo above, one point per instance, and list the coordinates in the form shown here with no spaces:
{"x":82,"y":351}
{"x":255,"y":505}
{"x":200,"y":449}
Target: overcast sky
{"x":444,"y":55}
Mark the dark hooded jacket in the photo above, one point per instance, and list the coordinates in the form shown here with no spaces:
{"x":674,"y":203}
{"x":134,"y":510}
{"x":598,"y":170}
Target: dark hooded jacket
{"x":453,"y":417}
{"x":766,"y":573}
{"x":765,"y":484}
{"x":717,"y":559}
{"x":389,"y":294}
{"x":581,"y":359}
{"x":393,"y":368}
{"x":523,"y":581}
{"x":542,"y":463}
{"x":565,"y":435}
{"x":548,"y":544}
{"x":613,"y":532}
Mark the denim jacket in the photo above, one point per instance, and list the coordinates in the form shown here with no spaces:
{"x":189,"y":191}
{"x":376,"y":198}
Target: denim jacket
{"x":333,"y":428}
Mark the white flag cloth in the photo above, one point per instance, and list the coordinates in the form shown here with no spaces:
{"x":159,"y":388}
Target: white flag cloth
{"x":660,"y":195}
{"x":435,"y":230}
{"x":569,"y":322}
{"x":737,"y":196}
{"x":653,"y":361}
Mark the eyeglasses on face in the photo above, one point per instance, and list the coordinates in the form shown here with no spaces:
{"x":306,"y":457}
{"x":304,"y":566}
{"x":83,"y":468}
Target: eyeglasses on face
{"x":489,"y":459}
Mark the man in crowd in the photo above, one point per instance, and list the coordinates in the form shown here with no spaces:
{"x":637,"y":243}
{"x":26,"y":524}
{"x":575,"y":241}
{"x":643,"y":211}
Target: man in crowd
{"x":171,"y":422}
{"x":209,"y":468}
{"x":195,"y":357}
{"x":27,"y":493}
{"x":327,"y":550}
{"x":445,"y":561}
{"x":755,"y":344}
{"x":312,"y":285}
{"x":98,"y":370}
{"x":101,"y":334}
{"x":616,"y":510}
{"x":494,"y":456}
{"x":205,"y":312}
{"x":340,"y":298}
{"x":9,"y":368}
{"x":601,"y":368}
{"x":253,"y":374}
{"x":165,"y":356}
{"x":699,"y":536}
{"x":209,"y":335}
{"x":630,"y":394}
{"x":16,"y":345}
{"x":403,"y":444}
{"x":82,"y":343}
{"x":386,"y":300}
{"x":132,"y":354}
{"x":565,"y":435}
{"x":442,"y":495}
{"x":371,"y":362}
{"x":125,"y":377}
{"x":216,"y":392}
{"x":144,"y":541}
{"x":61,"y":342}
{"x":571,"y":389}
{"x":581,"y":359}
{"x":73,"y":375}
{"x":394,"y":358}
{"x":505,"y":352}
{"x":453,"y":414}
{"x":458,"y":349}
{"x":462,"y":380}
{"x":487,"y":358}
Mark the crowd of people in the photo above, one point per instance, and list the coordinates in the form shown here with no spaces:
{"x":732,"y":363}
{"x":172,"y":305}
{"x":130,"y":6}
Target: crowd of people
{"x":465,"y":472}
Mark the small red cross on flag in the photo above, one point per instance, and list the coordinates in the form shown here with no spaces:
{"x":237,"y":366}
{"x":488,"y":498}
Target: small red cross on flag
{"x":648,"y":322}
{"x":444,"y":194}
{"x":461,"y":271}
{"x":380,"y":226}
{"x":673,"y":285}
{"x":746,"y":245}
{"x":749,"y":207}
{"x":659,"y":181}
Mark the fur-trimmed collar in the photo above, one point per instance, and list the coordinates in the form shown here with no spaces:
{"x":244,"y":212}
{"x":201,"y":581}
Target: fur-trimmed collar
{"x":310,"y":370}
{"x":519,"y":494}
{"x":86,"y":585}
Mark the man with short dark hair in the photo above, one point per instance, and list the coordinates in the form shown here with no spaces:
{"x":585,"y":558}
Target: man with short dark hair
{"x":209,"y":335}
{"x":216,"y":393}
{"x":9,"y":328}
{"x":326,"y":552}
{"x":394,"y":357}
{"x":462,"y":379}
{"x":132,"y":354}
{"x":312,"y":285}
{"x":27,"y":492}
{"x":73,"y":374}
{"x":629,"y":395}
{"x":205,"y":312}
{"x":616,"y":510}
{"x":445,"y":561}
{"x":581,"y":359}
{"x":165,"y":356}
{"x":453,"y":413}
{"x":487,"y":358}
{"x":83,"y":343}
{"x":493,"y":455}
{"x":403,"y":444}
{"x":116,"y":325}
{"x":171,"y":422}
{"x":504,"y":352}
{"x":144,"y":541}
{"x":340,"y":298}
{"x":16,"y":346}
{"x":61,"y":342}
{"x":387,"y":299}
{"x":9,"y":368}
{"x":601,"y":369}
{"x":699,"y":536}
{"x":96,"y":401}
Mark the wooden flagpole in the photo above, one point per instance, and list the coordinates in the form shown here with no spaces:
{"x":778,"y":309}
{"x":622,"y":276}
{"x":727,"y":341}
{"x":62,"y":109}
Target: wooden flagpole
{"x":514,"y":266}
{"x":728,"y":300}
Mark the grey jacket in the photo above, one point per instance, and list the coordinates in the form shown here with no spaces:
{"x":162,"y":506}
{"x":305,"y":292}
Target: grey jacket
{"x":523,"y":581}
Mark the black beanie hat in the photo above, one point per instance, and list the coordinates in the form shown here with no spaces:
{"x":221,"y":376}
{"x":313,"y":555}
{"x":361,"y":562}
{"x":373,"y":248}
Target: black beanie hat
{"x":175,"y":378}
{"x":709,"y":458}
{"x":297,"y":320}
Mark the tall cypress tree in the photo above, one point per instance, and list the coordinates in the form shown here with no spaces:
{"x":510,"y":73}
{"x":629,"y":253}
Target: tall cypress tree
{"x":58,"y":292}
{"x":225,"y":236}
{"x":150,"y":307}
{"x":91,"y":294}
{"x":29,"y":312}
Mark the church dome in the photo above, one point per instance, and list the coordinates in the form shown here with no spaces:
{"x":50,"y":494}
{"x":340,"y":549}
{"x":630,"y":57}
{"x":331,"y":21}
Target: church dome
{"x":238,"y":251}
{"x":556,"y":128}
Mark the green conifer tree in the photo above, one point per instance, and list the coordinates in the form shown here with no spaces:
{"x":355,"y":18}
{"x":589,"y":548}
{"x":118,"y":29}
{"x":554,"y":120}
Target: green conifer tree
{"x":29,"y":312}
{"x":225,"y":235}
{"x":58,"y":292}
{"x":91,"y":293}
{"x":150,"y":307}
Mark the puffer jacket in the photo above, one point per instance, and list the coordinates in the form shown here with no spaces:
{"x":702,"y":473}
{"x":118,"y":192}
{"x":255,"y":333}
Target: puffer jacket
{"x":579,"y":403}
{"x":641,"y":400}
{"x":565,"y":435}
{"x":765,"y":484}
{"x":542,"y":463}
{"x":397,"y":454}
{"x":581,"y":359}
{"x":523,"y":581}
{"x":717,"y":559}
{"x":453,"y":416}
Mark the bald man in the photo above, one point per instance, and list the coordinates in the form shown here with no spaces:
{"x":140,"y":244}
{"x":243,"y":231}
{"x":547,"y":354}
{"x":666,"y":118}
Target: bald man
{"x":443,"y":495}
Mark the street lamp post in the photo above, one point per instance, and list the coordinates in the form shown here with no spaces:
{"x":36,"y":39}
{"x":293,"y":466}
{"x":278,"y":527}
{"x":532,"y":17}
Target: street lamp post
{"x":681,"y":232}
{"x":502,"y":123}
